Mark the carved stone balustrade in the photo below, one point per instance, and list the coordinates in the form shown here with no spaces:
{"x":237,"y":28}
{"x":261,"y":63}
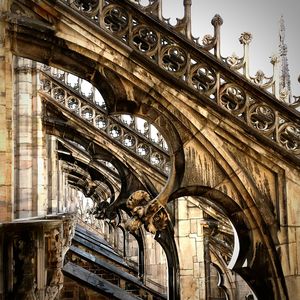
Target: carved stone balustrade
{"x":124,"y":132}
{"x":209,"y":76}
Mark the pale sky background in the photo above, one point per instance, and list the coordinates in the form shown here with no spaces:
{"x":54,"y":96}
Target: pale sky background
{"x":260,"y":17}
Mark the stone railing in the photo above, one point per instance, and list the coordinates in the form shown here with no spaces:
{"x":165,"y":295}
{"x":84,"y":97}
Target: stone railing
{"x":212,"y":77}
{"x":117,"y":128}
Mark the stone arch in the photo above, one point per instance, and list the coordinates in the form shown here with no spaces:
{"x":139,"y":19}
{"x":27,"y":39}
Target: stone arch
{"x":88,"y":174}
{"x":250,"y":258}
{"x":60,"y":129}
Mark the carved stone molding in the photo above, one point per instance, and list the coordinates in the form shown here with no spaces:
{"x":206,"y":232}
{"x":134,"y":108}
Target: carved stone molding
{"x":59,"y":241}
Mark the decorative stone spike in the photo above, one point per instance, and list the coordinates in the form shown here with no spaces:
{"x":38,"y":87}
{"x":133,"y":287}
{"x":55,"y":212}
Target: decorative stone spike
{"x":285,"y":82}
{"x":245,"y":38}
{"x":184,"y":25}
{"x":188,"y":17}
{"x":217,"y":20}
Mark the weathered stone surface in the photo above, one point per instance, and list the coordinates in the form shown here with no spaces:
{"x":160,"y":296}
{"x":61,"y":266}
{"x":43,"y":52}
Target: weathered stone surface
{"x":236,"y":162}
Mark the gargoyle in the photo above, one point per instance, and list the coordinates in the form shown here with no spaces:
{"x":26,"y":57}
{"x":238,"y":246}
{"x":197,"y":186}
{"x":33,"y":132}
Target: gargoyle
{"x":146,"y":211}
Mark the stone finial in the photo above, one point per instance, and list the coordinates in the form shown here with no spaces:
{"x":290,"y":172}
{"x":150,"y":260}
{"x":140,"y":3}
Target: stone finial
{"x":274,"y":59}
{"x":217,"y":20}
{"x":187,"y":2}
{"x":188,"y":17}
{"x":245,"y":38}
{"x":284,"y":95}
{"x":259,"y":77}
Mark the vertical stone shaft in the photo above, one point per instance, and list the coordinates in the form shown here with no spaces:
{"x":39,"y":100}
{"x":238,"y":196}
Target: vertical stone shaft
{"x":40,"y":172}
{"x":6,"y":117}
{"x":24,"y":204}
{"x":53,"y":175}
{"x":30,"y":162}
{"x":188,"y":17}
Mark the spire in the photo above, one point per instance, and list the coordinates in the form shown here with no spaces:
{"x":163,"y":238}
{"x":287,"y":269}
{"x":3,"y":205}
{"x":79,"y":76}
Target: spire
{"x":285,"y":82}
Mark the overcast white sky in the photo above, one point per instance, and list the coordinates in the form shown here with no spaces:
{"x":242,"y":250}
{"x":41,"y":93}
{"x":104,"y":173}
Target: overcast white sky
{"x":260,"y":17}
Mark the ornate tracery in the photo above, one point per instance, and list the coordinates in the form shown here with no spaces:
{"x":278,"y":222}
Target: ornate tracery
{"x":180,"y":59}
